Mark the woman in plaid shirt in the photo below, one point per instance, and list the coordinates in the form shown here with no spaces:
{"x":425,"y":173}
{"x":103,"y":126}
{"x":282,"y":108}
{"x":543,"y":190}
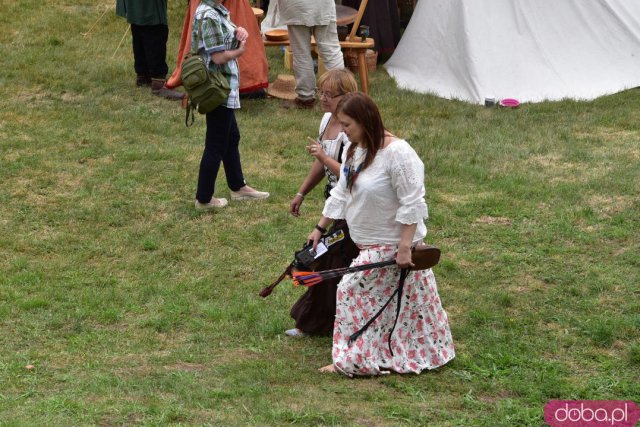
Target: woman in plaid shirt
{"x":220,"y":43}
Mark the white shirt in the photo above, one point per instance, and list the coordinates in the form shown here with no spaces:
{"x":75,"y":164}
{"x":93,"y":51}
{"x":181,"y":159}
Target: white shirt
{"x":305,"y":12}
{"x":332,"y":147}
{"x":385,"y":195}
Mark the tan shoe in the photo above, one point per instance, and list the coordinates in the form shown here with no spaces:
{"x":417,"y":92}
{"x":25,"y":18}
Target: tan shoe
{"x":213,"y":204}
{"x":248,"y":193}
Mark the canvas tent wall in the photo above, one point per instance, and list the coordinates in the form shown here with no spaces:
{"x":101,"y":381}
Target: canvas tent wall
{"x":531,"y":50}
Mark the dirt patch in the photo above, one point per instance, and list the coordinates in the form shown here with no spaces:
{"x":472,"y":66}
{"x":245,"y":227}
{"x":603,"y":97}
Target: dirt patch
{"x":610,"y":135}
{"x":527,"y":283}
{"x":186,"y":367}
{"x":610,"y":205}
{"x":452,"y":198}
{"x":493,"y":220}
{"x":70,"y":97}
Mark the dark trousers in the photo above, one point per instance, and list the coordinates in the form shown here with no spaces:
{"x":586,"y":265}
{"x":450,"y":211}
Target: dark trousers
{"x":150,"y":50}
{"x":221,"y":145}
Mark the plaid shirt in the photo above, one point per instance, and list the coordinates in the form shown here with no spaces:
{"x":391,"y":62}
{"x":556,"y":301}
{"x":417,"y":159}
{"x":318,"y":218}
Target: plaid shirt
{"x":218,"y":35}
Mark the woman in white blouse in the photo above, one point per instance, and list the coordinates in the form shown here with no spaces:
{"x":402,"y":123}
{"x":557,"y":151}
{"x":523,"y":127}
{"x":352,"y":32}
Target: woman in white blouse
{"x":380,"y":193}
{"x":314,"y":312}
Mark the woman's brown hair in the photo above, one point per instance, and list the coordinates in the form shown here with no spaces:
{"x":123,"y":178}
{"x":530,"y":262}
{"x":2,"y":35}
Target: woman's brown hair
{"x":365,"y":113}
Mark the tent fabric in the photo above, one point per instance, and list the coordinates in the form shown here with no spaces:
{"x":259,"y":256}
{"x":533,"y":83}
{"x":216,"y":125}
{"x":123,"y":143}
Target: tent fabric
{"x":254,"y":70}
{"x":529,"y":50}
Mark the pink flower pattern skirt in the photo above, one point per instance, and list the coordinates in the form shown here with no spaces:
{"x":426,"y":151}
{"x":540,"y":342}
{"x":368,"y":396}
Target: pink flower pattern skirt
{"x":421,"y":338}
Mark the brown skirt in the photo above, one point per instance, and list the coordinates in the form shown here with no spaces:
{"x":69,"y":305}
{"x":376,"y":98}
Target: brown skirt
{"x":315,"y":310}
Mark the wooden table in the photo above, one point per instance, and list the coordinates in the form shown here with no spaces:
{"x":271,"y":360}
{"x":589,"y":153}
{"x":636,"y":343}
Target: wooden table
{"x":345,"y":15}
{"x":357,"y":44}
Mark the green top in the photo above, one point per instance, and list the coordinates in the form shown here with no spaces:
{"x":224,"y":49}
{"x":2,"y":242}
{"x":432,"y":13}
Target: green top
{"x":143,"y":12}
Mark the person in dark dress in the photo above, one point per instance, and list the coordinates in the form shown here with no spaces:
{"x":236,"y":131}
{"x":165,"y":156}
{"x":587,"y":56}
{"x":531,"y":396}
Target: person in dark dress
{"x":149,"y":32}
{"x":315,"y":311}
{"x":383,"y":19}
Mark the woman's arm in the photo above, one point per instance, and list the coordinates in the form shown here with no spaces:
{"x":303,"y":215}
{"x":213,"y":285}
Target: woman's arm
{"x":315,"y":149}
{"x":403,"y":257}
{"x":315,"y":175}
{"x":319,"y":230}
{"x":225,"y":56}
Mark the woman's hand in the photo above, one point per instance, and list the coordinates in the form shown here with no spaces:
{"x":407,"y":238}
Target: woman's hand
{"x":314,"y":237}
{"x":242,"y":34}
{"x":403,"y":257}
{"x":294,"y":206}
{"x":315,"y":149}
{"x":240,"y":50}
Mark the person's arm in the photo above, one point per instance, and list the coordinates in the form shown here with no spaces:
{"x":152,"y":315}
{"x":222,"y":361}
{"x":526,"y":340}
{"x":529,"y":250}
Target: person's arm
{"x":223,"y":56}
{"x":403,"y":257}
{"x":319,"y":230}
{"x":315,"y":149}
{"x":407,"y":178}
{"x":315,"y":175}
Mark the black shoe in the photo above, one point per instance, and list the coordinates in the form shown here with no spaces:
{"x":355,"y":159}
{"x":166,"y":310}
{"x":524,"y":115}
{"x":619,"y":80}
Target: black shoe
{"x":159,"y":89}
{"x":303,"y":104}
{"x":143,"y":81}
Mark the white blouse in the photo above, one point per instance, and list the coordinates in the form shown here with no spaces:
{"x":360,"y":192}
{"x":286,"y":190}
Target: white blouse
{"x":385,"y":195}
{"x":332,"y":147}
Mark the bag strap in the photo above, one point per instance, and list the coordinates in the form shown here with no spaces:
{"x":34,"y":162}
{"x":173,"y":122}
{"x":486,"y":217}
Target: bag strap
{"x":403,"y":275}
{"x":194,"y":50}
{"x":189,"y":109}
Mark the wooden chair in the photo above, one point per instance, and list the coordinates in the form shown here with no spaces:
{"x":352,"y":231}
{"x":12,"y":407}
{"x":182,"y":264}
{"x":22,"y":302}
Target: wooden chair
{"x":360,"y":47}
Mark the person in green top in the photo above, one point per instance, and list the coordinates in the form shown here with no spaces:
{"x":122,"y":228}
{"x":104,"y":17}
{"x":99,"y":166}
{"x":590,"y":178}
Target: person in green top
{"x":149,"y":31}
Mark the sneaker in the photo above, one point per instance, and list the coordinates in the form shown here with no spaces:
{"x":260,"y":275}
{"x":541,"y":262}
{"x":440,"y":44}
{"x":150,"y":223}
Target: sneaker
{"x":296,"y":333}
{"x":304,"y":104}
{"x":213,"y":204}
{"x":248,"y":193}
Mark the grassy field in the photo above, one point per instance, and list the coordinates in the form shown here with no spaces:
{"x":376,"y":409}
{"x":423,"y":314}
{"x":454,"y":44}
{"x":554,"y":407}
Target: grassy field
{"x":133,"y":309}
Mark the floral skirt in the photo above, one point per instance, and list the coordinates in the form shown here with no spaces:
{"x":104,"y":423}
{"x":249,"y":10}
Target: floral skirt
{"x":421,"y":338}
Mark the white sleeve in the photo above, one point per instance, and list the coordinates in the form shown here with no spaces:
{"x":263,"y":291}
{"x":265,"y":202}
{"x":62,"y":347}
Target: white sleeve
{"x":407,"y":178}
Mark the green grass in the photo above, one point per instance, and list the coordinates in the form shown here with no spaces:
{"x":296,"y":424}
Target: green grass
{"x":135,"y":309}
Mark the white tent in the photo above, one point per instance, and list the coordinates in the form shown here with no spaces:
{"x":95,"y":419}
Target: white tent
{"x":531,"y":50}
